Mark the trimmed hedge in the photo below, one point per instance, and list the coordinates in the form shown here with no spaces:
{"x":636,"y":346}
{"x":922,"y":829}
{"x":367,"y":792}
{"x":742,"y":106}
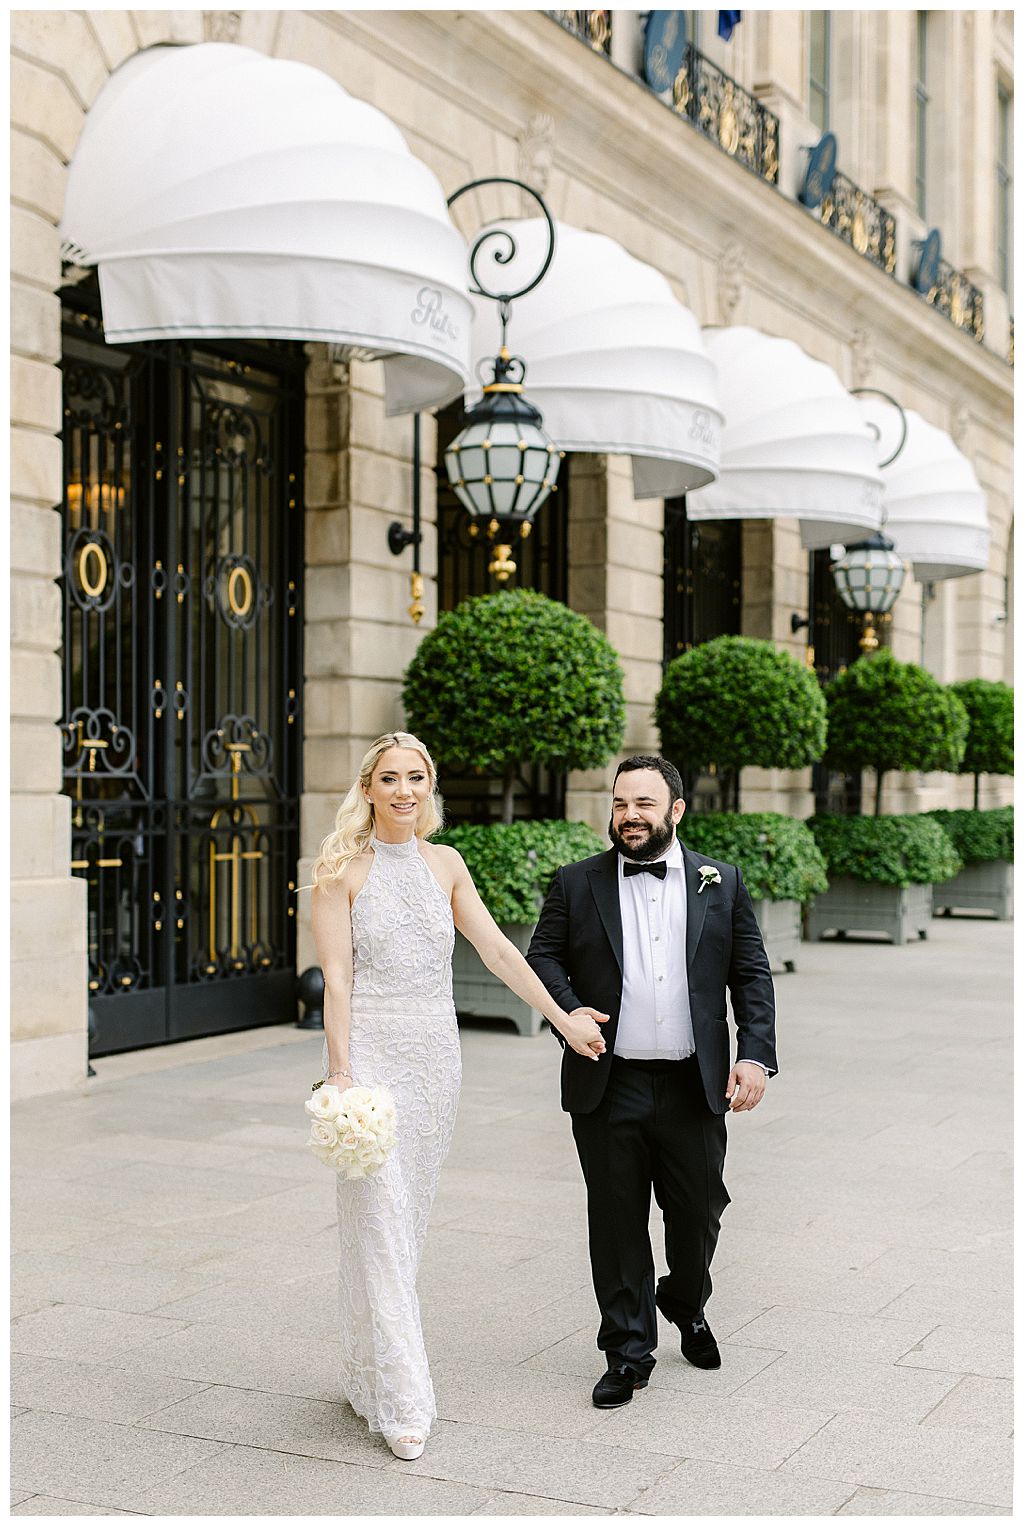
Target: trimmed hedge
{"x":737,"y":702}
{"x":989,"y":706}
{"x":885,"y":714}
{"x":886,"y":850}
{"x":512,"y":678}
{"x":778,"y":856}
{"x":980,"y":837}
{"x":512,"y":865}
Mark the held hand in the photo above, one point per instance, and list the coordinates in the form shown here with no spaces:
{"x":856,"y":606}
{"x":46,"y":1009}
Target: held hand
{"x":582,"y":1033}
{"x":748,"y":1082}
{"x":343,"y":1083}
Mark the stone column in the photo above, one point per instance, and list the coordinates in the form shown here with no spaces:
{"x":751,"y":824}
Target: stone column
{"x":56,"y":72}
{"x":616,"y":560}
{"x":777,"y":49}
{"x":896,"y":54}
{"x":359,"y":636}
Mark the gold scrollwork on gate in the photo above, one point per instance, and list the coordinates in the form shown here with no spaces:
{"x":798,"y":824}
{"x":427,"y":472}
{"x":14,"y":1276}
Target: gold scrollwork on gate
{"x":240,"y":606}
{"x":93,"y":583}
{"x":235,"y":856}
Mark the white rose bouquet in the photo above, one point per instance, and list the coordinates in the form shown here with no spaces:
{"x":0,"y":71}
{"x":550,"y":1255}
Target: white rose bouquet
{"x":352,"y":1131}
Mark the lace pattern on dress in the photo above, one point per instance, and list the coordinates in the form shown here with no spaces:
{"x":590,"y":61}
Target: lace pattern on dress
{"x":403,"y":1036}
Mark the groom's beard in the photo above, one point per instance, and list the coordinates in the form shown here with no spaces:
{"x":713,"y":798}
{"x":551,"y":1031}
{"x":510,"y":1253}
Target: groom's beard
{"x":648,"y":844}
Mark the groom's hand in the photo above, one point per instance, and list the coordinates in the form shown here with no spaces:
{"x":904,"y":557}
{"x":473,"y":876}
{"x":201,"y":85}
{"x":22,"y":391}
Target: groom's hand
{"x":582,"y":1033}
{"x":748,"y":1082}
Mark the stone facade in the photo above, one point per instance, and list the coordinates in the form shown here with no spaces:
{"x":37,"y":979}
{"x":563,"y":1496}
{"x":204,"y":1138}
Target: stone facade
{"x":491,"y":92}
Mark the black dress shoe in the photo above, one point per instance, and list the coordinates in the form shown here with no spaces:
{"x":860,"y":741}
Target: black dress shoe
{"x":617,"y":1387}
{"x":698,"y":1345}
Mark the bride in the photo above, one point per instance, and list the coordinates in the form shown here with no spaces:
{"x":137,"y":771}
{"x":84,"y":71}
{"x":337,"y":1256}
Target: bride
{"x":386,"y":902}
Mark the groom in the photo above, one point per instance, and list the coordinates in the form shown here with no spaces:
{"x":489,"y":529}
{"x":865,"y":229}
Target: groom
{"x":653,"y":935}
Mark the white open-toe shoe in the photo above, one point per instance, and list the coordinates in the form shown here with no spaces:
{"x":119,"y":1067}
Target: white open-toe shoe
{"x":407,"y":1450}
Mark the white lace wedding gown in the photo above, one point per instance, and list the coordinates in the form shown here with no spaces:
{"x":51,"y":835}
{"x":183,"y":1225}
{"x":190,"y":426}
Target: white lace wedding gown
{"x":403,"y":1036}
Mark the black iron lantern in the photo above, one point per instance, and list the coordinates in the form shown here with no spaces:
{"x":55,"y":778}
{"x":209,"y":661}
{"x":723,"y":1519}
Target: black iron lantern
{"x":502,"y":465}
{"x":869,"y":577}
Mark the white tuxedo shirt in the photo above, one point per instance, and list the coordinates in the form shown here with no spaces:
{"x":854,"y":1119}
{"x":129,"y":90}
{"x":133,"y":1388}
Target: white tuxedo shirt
{"x":654,"y":1017}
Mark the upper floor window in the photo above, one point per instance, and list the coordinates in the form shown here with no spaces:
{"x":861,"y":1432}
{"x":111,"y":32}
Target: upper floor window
{"x":921,"y":99}
{"x":1004,"y":188}
{"x":819,"y":81}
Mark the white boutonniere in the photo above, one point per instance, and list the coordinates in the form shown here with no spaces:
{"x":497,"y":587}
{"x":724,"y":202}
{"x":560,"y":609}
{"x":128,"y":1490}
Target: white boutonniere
{"x":709,"y":875}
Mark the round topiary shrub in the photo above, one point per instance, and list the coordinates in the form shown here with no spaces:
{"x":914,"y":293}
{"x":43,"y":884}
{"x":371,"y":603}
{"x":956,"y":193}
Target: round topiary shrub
{"x":886,"y":850}
{"x":980,"y":837}
{"x":884,"y":714}
{"x":778,"y":856}
{"x":512,"y":864}
{"x":735,"y":702}
{"x":514,"y":678}
{"x":989,"y":749}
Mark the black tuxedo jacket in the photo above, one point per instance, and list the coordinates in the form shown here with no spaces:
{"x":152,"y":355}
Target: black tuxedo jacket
{"x":576,"y":949}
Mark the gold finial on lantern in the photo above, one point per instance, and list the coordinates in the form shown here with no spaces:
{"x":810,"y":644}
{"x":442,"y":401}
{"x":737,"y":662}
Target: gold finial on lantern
{"x":501,"y":565}
{"x":416,"y":589}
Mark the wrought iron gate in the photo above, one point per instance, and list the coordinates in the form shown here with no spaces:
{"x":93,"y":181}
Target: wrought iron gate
{"x":182,"y":551}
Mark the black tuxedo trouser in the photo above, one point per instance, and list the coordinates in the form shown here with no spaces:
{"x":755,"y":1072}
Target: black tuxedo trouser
{"x":652,"y":1129}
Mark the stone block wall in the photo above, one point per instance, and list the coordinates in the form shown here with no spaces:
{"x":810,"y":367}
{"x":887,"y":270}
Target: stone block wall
{"x":359,"y":636}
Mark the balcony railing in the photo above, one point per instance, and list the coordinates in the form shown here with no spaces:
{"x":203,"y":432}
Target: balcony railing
{"x":727,"y":114}
{"x":594,"y":27}
{"x":860,"y":221}
{"x":1009,"y":348}
{"x":959,"y":299}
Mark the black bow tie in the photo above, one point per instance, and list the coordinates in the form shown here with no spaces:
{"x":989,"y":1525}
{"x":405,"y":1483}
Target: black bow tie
{"x":659,"y":870}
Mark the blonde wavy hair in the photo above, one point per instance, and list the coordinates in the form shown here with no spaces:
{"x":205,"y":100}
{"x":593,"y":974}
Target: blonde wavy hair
{"x":353,"y":825}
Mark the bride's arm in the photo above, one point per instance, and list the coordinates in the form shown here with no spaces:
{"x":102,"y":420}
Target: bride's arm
{"x":504,"y":960}
{"x":332,"y":931}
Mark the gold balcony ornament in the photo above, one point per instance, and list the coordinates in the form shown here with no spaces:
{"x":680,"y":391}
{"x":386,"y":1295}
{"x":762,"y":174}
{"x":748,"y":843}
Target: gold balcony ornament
{"x":728,"y":122}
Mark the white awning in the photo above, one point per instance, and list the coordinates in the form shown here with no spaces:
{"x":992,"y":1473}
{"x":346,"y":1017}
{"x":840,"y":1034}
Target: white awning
{"x":935,"y":508}
{"x":615,"y":363}
{"x":223,"y":193}
{"x":795,"y":443}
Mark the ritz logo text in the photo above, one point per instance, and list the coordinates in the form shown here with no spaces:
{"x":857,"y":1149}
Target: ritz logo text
{"x":429,"y":311}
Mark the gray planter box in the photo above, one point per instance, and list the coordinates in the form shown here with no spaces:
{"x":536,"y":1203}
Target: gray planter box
{"x":779,"y":922}
{"x":978,"y":887}
{"x":478,"y":993}
{"x":855,"y":906}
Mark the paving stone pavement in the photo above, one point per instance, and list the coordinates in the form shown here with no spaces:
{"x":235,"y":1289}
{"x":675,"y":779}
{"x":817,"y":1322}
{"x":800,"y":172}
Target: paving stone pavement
{"x":174,"y":1263}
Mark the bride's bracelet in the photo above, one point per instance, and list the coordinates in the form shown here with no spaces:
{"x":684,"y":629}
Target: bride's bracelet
{"x":330,"y":1076}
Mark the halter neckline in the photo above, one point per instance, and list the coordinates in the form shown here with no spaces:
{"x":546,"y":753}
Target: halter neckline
{"x":395,"y":849}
